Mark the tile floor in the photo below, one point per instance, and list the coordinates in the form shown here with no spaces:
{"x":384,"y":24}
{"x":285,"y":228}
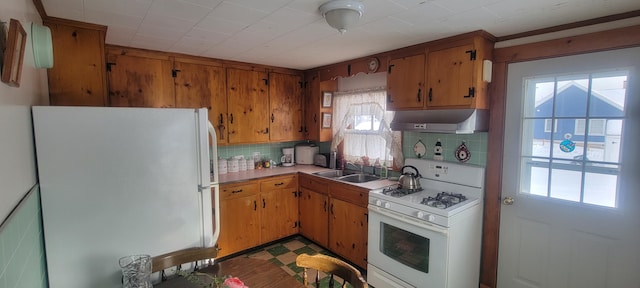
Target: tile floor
{"x":284,"y":254}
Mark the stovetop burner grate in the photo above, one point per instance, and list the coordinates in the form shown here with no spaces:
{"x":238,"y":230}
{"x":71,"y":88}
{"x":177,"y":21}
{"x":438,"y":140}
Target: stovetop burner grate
{"x":444,"y":200}
{"x":397,"y":191}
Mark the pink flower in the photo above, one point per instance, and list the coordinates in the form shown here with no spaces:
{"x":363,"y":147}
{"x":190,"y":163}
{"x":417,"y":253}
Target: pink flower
{"x":233,"y":282}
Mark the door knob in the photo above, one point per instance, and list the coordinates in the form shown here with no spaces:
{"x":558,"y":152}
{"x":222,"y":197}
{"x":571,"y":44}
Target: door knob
{"x":507,"y":201}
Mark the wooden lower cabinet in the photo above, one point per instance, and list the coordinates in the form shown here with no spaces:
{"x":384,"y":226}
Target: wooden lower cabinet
{"x":239,"y":217}
{"x":333,"y":215}
{"x":314,"y":221}
{"x":279,"y":210}
{"x":256,"y":212}
{"x":314,"y":208}
{"x":348,"y":223}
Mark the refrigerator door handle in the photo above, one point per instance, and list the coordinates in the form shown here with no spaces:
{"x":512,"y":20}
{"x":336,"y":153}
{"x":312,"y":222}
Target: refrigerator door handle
{"x":204,"y":181}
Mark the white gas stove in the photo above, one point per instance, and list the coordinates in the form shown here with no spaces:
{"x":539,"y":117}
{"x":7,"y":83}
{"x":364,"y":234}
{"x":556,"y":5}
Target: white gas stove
{"x":447,"y":189}
{"x":429,"y":237}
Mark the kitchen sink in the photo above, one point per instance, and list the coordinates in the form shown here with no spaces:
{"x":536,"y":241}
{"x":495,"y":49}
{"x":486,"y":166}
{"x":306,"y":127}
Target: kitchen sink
{"x":335,"y":173}
{"x":359,"y":178}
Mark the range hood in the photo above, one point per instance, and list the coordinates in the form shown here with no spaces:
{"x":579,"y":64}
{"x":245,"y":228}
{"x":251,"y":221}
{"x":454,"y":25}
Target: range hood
{"x":451,"y":121}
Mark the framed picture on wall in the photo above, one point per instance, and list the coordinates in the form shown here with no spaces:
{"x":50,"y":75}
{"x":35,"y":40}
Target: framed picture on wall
{"x":326,"y":99}
{"x":13,"y":54}
{"x":326,"y":120}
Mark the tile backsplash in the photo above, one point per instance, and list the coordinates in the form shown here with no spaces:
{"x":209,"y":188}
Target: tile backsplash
{"x":272,"y":151}
{"x":476,"y":143}
{"x":22,"y":257}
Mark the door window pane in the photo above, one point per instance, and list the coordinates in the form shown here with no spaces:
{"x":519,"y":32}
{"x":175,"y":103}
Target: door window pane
{"x":609,"y":93}
{"x":571,"y":136}
{"x":565,"y":184}
{"x":600,"y":189}
{"x":571,"y":96}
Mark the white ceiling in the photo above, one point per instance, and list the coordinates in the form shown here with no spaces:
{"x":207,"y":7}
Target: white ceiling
{"x":293,"y":34}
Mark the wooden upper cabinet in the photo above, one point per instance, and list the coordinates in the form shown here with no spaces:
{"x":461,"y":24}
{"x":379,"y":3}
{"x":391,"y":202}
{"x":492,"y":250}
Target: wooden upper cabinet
{"x":77,"y":77}
{"x":455,"y":75}
{"x":451,"y":77}
{"x":139,"y":80}
{"x":313,"y":108}
{"x":247,"y":93}
{"x":201,"y":84}
{"x":405,"y":83}
{"x":285,"y":103}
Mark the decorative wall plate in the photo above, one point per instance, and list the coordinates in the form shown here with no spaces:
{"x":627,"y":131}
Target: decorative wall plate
{"x":462,"y":153}
{"x":419,"y":149}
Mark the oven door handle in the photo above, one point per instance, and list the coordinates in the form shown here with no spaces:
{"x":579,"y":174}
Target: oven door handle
{"x":411,"y":220}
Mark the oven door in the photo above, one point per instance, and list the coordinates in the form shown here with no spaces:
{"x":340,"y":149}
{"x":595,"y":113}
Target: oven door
{"x":406,"y":248}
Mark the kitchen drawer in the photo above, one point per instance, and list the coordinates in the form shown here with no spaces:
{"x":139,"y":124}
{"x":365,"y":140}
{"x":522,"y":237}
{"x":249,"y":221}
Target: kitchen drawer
{"x":237,"y":190}
{"x":314,"y":183}
{"x":347,"y":193}
{"x":288,"y":182}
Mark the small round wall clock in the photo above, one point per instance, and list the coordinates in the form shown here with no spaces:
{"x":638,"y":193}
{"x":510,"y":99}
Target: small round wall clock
{"x":374,"y":64}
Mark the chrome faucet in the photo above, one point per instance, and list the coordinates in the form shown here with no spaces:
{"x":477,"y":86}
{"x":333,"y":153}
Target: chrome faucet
{"x":358,"y":166}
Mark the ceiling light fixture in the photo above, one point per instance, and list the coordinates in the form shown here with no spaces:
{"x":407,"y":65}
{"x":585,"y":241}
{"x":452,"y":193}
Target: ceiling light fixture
{"x":342,"y":14}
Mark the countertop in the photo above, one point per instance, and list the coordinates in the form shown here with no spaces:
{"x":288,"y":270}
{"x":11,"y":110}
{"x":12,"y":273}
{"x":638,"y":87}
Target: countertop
{"x":231,"y":177}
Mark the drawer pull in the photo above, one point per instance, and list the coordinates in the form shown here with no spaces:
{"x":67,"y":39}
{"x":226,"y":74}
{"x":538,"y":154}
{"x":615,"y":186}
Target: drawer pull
{"x":236,"y":191}
{"x":279,"y":184}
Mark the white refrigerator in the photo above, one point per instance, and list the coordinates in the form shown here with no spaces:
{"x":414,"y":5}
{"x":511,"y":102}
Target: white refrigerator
{"x":122,"y":181}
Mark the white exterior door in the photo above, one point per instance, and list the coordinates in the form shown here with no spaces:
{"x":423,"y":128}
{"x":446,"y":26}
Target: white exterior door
{"x":571,"y":208}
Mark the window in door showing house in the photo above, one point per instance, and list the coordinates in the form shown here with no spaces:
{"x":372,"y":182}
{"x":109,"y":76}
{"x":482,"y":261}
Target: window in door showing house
{"x":579,"y":160}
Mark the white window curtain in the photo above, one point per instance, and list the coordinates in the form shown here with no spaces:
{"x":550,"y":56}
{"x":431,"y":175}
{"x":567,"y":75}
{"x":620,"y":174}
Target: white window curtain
{"x":362,"y":122}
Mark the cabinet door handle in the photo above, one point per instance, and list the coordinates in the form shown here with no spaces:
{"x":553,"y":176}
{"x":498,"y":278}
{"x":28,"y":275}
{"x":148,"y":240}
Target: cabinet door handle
{"x":301,"y":129}
{"x":419,"y":95}
{"x":255,"y":205}
{"x":221,"y":119}
{"x":264,"y":203}
{"x":430,"y":94}
{"x":236,"y":191}
{"x":389,"y":98}
{"x":295,"y":194}
{"x":331,"y":209}
{"x":315,"y":118}
{"x":366,"y":215}
{"x":472,"y":92}
{"x":325,"y":206}
{"x":231,"y":118}
{"x":272,"y":118}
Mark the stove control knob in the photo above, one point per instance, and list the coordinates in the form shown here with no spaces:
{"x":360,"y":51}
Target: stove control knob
{"x":426,"y":216}
{"x":378,"y":203}
{"x":387,"y":205}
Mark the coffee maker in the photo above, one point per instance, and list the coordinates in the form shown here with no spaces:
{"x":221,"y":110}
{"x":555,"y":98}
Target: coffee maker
{"x":287,"y":157}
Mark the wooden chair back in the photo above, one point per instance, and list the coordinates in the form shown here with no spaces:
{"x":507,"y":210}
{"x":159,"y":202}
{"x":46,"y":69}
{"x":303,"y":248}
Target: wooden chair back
{"x":177,"y":258}
{"x":331,"y":266}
